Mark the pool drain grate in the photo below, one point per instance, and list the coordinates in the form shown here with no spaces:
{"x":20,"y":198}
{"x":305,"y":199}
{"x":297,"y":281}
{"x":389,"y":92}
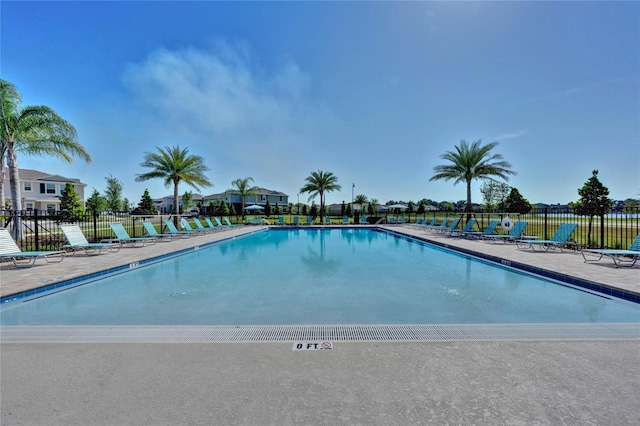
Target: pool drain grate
{"x":336,"y":333}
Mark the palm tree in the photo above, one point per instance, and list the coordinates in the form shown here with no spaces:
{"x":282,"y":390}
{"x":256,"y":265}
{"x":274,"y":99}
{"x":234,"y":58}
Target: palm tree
{"x":242,"y":188}
{"x":317,"y":184}
{"x":175,"y":165}
{"x":471,"y":162}
{"x":32,"y":130}
{"x":362,"y":200}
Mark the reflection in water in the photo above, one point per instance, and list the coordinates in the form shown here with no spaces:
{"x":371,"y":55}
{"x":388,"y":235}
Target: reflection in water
{"x":317,"y":260}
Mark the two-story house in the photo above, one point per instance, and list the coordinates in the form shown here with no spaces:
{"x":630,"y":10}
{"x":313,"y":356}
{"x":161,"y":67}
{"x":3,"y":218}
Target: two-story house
{"x":260,"y":197}
{"x":41,"y":191}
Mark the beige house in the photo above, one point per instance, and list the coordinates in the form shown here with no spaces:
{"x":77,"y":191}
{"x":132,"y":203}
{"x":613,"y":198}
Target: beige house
{"x":41,"y":191}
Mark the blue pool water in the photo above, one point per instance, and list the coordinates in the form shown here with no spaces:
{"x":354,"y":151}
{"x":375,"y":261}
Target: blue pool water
{"x":319,"y":276}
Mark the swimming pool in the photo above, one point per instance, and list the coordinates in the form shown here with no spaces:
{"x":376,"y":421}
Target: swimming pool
{"x":320,"y":276}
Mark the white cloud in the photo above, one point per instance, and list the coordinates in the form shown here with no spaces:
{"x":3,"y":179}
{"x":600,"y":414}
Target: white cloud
{"x":224,"y":106}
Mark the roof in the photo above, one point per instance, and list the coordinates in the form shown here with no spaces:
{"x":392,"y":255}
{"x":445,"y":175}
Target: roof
{"x":35,"y":175}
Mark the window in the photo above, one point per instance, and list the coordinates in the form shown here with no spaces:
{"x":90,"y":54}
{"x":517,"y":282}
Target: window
{"x":51,"y":207}
{"x":29,"y":206}
{"x":27,"y":186}
{"x":51,"y":189}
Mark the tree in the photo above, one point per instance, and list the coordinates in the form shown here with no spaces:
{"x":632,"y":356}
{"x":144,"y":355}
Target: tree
{"x":421,"y":207}
{"x":70,"y":204}
{"x":362,"y":200}
{"x":317,"y":184}
{"x":187,"y":201}
{"x":146,"y":205}
{"x":32,"y":130}
{"x":594,"y":200}
{"x":470,"y":162}
{"x":373,"y":206}
{"x":410,"y":207}
{"x":494,"y":193}
{"x":516,"y":203}
{"x":243,"y":189}
{"x":113,"y":194}
{"x":95,"y":201}
{"x":174,"y":165}
{"x":267,"y":209}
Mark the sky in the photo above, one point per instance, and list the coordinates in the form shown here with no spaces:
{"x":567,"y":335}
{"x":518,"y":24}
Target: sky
{"x":374,"y":92}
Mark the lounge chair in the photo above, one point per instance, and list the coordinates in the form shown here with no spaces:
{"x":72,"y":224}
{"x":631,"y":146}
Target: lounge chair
{"x":152,"y":232}
{"x":280,"y":220}
{"x":76,"y":241}
{"x":229,"y":224}
{"x":436,"y":228}
{"x":559,"y":239}
{"x":515,"y":233}
{"x":173,"y":230}
{"x":199,"y":226}
{"x":309,"y":220}
{"x":327,"y":220}
{"x":213,"y":226}
{"x":363,"y":220}
{"x":296,"y":220}
{"x":488,"y":231}
{"x":122,"y":237}
{"x":425,"y":223}
{"x":345,"y":220}
{"x":25,"y":259}
{"x":450,"y":228}
{"x":619,"y":257}
{"x":467,"y":228}
{"x":187,"y":227}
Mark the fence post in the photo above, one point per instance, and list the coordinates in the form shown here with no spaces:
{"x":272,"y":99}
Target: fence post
{"x":133,"y":227}
{"x":546,"y":212}
{"x":602,"y":230}
{"x":36,"y":233}
{"x":95,"y":225}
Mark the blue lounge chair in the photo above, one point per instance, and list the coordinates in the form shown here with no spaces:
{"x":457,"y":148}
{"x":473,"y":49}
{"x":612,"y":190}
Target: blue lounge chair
{"x":467,"y":228}
{"x":435,"y":228}
{"x":280,"y":220}
{"x":327,"y":220}
{"x":208,"y":228}
{"x":187,"y":227}
{"x":363,"y":220}
{"x":619,"y":257}
{"x":25,"y":259}
{"x":122,"y":237}
{"x":450,"y":228}
{"x":489,"y":230}
{"x":228,"y":223}
{"x":345,"y":220}
{"x":173,"y":230}
{"x":213,"y":226}
{"x":425,"y":223}
{"x":152,"y":232}
{"x":515,"y":233}
{"x":76,"y":241}
{"x":559,"y":239}
{"x":296,"y":220}
{"x":309,"y":220}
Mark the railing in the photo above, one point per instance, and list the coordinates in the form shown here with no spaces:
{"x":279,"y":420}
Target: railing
{"x":40,"y":230}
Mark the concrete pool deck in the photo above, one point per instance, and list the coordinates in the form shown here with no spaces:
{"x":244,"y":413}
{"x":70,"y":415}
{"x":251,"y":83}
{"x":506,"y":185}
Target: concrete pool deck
{"x":502,"y":382}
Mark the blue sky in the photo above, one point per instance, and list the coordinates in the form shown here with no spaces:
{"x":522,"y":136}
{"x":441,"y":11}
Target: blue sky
{"x":374,"y":92}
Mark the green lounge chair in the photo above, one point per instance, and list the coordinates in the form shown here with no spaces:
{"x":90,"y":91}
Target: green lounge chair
{"x":152,"y":232}
{"x":122,"y":237}
{"x":25,"y":259}
{"x":515,"y":233}
{"x":76,"y":241}
{"x":620,"y":257}
{"x":559,"y":239}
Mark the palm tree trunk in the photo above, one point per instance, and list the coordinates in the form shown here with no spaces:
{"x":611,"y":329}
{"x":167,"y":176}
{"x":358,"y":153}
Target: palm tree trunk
{"x":2,"y":181}
{"x":176,"y":207}
{"x":321,"y":208}
{"x":14,"y":188}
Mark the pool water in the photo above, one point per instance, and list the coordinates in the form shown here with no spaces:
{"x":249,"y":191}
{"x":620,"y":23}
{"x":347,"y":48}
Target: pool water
{"x":320,"y":276}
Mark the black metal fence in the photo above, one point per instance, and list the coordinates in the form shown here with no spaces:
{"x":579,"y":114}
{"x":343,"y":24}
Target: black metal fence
{"x":40,"y":230}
